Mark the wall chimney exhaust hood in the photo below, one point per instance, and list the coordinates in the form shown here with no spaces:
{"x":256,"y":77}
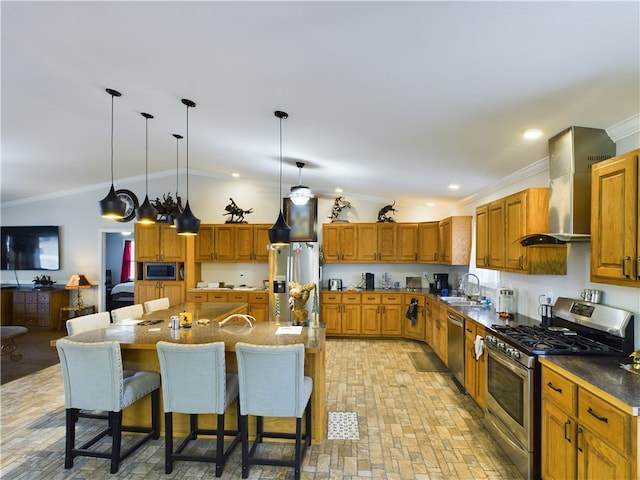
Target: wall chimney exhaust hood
{"x":572,"y":153}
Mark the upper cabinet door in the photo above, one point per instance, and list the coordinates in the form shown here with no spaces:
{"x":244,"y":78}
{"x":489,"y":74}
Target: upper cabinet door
{"x":614,"y":221}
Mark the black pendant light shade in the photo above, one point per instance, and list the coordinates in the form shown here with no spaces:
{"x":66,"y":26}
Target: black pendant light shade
{"x":280,"y":232}
{"x":187,"y":223}
{"x":146,"y":213}
{"x":111,"y":206}
{"x":177,"y":211}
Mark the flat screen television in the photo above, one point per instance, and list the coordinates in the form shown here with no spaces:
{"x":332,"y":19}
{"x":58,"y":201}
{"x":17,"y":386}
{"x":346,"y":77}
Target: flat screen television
{"x":30,"y":248}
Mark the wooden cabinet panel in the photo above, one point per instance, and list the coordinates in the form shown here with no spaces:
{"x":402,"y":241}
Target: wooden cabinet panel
{"x":482,"y":236}
{"x":497,"y":234}
{"x":371,"y":319}
{"x":224,"y":243}
{"x":474,"y":371}
{"x":339,"y":242}
{"x":351,"y":319}
{"x":615,"y":229}
{"x":261,"y":242}
{"x":598,"y":460}
{"x":387,"y":241}
{"x":367,"y":242}
{"x":559,"y":454}
{"x":428,"y":242}
{"x":341,"y":313}
{"x":150,"y":290}
{"x":415,"y":330}
{"x":205,"y":244}
{"x":407,"y":236}
{"x":155,"y":243}
{"x":454,"y":240}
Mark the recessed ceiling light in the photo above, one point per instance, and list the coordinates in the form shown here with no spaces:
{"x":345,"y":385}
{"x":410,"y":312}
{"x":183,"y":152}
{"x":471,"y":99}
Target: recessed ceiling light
{"x":532,"y":133}
{"x":235,"y":175}
{"x":430,"y":204}
{"x":453,"y":186}
{"x":338,"y":190}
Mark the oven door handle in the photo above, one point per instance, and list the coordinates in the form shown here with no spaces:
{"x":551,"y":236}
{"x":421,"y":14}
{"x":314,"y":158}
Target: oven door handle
{"x":506,"y":362}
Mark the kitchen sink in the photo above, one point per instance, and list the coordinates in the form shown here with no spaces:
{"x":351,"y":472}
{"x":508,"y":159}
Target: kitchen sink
{"x":459,"y":301}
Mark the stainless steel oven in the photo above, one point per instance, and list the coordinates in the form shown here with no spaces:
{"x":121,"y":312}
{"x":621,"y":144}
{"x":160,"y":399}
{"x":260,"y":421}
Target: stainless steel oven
{"x":511,"y":402}
{"x":513,"y":371}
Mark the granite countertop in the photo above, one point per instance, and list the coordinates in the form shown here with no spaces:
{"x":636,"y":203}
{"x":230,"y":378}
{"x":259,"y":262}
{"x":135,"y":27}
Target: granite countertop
{"x":145,"y":337}
{"x":605,"y":374}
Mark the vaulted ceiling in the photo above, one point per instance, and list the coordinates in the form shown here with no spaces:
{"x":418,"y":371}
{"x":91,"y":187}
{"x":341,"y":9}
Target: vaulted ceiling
{"x":390,"y":99}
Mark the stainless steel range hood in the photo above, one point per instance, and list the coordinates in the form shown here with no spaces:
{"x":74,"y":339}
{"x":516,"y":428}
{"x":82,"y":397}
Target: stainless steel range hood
{"x":572,"y":153}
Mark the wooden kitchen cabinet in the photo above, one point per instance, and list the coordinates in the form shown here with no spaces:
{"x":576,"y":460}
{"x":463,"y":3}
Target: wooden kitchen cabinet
{"x":439,"y":331}
{"x":428,"y":242}
{"x":377,"y":242}
{"x":502,"y":223}
{"x":38,"y":308}
{"x":381,"y":314}
{"x":407,"y":238}
{"x":341,"y":313}
{"x":615,"y":229}
{"x":526,"y":213}
{"x":417,"y":330}
{"x":475,"y":376}
{"x":454,"y":240}
{"x":259,"y":305}
{"x":233,"y":242}
{"x":158,"y":243}
{"x":251,"y":243}
{"x":145,"y":290}
{"x":339,"y":242}
{"x":583,"y":435}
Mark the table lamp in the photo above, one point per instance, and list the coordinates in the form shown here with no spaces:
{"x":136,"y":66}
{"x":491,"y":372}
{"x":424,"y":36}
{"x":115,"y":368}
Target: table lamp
{"x":78,"y":281}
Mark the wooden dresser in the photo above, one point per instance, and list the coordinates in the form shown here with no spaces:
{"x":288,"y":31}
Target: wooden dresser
{"x":38,"y":308}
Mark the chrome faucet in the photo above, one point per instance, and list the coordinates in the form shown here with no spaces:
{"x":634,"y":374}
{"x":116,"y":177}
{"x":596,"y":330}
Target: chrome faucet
{"x":462,"y":280}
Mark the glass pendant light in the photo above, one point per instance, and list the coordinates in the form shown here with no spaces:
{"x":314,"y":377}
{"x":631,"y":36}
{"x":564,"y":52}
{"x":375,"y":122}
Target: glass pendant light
{"x":187,"y":223}
{"x":300,"y":194}
{"x":146,"y":213}
{"x":111,"y":206}
{"x":280,"y":232}
{"x":177,"y":211}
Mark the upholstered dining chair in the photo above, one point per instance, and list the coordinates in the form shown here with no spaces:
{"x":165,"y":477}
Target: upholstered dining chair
{"x":195,"y":381}
{"x":93,"y":380}
{"x":272,"y":384}
{"x":130,"y":311}
{"x":88,"y":322}
{"x":157,"y":304}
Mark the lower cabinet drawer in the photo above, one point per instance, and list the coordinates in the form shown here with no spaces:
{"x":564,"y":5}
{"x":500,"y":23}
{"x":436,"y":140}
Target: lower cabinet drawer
{"x":604,"y":419}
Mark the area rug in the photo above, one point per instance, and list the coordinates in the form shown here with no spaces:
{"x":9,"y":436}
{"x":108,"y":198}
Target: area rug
{"x":37,"y":353}
{"x":343,"y":426}
{"x":427,"y":361}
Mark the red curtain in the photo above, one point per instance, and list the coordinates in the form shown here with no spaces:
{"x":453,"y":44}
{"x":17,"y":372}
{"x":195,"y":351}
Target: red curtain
{"x":126,"y":272}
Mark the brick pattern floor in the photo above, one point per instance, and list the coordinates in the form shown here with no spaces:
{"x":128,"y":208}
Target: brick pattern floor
{"x":412,"y":425}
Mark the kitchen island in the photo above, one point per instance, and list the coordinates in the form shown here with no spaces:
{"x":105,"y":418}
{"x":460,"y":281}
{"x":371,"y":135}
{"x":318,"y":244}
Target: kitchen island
{"x":138,"y":344}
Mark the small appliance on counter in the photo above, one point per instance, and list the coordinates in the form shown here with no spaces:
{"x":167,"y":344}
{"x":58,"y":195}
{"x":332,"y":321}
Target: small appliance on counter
{"x":335,"y":284}
{"x":440,"y":282}
{"x":369,"y":281}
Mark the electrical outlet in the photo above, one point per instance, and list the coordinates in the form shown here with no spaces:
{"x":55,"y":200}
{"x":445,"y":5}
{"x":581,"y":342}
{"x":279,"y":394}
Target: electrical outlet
{"x":548,"y":298}
{"x":425,"y":275}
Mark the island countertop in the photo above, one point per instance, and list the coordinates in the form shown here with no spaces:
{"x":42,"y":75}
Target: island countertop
{"x":141,"y":337}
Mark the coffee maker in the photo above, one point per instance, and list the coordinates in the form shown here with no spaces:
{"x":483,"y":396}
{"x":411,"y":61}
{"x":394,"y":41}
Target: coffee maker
{"x":440,"y":282}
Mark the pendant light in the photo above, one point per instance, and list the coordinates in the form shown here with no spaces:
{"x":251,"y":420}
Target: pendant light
{"x":187,"y":223}
{"x":177,"y":211}
{"x":280,"y":232}
{"x":300,"y":194}
{"x":111,"y":206}
{"x":146,"y":213}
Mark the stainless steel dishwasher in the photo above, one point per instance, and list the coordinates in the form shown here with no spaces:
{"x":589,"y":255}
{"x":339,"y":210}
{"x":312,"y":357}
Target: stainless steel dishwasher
{"x":455,"y":345}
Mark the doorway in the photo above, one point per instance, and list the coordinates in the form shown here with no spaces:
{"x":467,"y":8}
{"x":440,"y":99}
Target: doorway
{"x":112,"y":248}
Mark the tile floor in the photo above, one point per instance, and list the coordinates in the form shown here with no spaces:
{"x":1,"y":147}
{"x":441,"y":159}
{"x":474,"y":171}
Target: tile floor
{"x":412,"y":426}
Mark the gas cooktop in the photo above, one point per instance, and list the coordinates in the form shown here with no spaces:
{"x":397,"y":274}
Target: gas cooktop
{"x":555,"y":341}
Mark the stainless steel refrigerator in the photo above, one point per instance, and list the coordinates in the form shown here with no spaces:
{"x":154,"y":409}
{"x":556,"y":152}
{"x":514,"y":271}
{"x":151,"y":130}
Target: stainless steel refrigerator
{"x":294,"y":283}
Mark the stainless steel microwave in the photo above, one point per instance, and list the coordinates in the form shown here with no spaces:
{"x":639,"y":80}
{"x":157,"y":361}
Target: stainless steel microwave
{"x":160,"y":271}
